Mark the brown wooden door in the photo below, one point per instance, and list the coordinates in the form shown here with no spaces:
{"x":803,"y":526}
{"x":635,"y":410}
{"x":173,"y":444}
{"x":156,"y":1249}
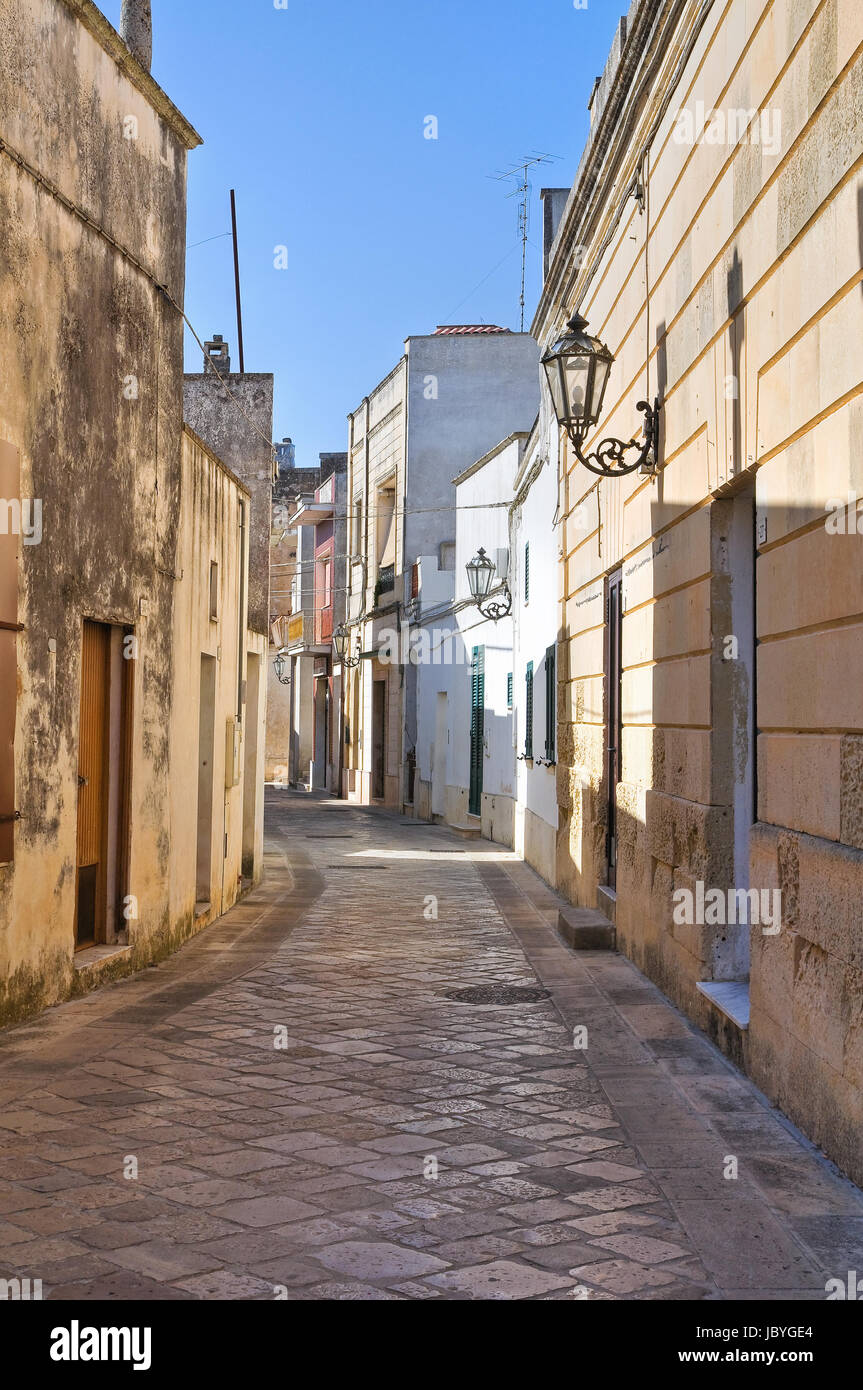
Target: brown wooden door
{"x":92,"y":783}
{"x":379,"y":715}
{"x":614,"y":719}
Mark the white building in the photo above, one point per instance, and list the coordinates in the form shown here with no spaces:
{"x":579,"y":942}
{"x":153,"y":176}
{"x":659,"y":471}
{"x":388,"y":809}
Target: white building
{"x":464,"y":670}
{"x":535,"y":578}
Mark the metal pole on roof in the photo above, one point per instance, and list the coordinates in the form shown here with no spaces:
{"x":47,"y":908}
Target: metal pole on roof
{"x":237,"y":281}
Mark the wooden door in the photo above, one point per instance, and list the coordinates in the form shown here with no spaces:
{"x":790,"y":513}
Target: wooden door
{"x":379,"y":711}
{"x":614,"y":722}
{"x":92,"y":783}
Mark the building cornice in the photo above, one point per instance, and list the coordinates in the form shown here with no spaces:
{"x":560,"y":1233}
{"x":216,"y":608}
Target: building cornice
{"x":214,"y":458}
{"x":95,"y":22}
{"x":625,"y":104}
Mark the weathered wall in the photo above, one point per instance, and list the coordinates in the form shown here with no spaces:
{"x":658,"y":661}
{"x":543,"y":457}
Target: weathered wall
{"x":90,"y":397}
{"x":753,"y":261}
{"x":235,"y":420}
{"x":209,"y":533}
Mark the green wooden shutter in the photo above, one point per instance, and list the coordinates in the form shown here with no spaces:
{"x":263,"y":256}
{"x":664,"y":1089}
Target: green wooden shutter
{"x":509,"y":689}
{"x":550,"y":702}
{"x":527,"y":572}
{"x":528,"y":711}
{"x":477,"y":719}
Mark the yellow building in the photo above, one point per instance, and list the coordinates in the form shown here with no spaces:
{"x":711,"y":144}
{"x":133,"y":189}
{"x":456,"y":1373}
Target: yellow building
{"x":711,"y":621}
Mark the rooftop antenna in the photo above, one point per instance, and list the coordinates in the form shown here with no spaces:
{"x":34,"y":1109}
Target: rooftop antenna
{"x":522,"y":191}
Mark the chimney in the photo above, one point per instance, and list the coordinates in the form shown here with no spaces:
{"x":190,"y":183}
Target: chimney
{"x":553,"y":204}
{"x":216,"y":351}
{"x":136,"y":30}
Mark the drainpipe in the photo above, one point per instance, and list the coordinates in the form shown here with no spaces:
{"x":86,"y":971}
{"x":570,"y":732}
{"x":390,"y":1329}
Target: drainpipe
{"x":136,"y":30}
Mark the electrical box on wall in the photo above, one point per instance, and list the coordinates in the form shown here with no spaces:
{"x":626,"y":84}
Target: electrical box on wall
{"x":233,"y":745}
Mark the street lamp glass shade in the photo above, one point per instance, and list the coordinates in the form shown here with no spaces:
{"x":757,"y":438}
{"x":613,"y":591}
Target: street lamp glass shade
{"x":279,"y":664}
{"x":341,"y":640}
{"x":576,"y":368}
{"x":480,"y":573}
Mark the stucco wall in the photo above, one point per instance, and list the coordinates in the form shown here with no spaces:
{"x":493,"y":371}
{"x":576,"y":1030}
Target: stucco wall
{"x":90,"y":396}
{"x":209,"y":534}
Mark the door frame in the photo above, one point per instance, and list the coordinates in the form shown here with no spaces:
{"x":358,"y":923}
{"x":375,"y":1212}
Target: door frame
{"x":115,"y":850}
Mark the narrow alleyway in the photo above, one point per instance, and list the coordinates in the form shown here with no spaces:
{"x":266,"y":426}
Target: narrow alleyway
{"x":294,"y":1106}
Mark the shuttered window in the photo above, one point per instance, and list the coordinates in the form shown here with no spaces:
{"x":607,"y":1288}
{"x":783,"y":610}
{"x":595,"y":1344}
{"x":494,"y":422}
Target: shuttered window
{"x":509,"y":690}
{"x":10,"y":503}
{"x":550,"y":702}
{"x":528,"y":711}
{"x":527,"y":572}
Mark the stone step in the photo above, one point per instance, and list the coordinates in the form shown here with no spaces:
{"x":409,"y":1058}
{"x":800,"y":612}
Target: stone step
{"x":606,"y":901}
{"x":585,"y":929}
{"x":467,"y":831}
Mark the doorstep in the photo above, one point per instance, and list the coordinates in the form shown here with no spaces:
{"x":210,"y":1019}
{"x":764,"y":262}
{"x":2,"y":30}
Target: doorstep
{"x":731,"y":997}
{"x":585,"y":929}
{"x":95,"y":961}
{"x":606,"y":901}
{"x":470,"y":829}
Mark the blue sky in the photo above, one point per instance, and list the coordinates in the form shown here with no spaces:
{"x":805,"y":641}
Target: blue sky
{"x":315,"y":114}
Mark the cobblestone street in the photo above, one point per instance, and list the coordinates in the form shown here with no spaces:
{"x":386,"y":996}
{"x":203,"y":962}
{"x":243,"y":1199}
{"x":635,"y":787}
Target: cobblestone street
{"x":310,"y":1116}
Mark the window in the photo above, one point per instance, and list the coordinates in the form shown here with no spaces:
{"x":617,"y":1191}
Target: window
{"x":527,"y":576}
{"x":528,"y":711}
{"x":326,"y":583}
{"x":550,"y":703}
{"x":214,"y":590}
{"x":509,"y":689}
{"x":385,"y":524}
{"x":357,"y":539}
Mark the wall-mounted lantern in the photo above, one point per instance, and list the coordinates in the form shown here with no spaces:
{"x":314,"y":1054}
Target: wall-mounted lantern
{"x":480,"y":576}
{"x":342,"y":646}
{"x":279,"y":668}
{"x":577,"y":368}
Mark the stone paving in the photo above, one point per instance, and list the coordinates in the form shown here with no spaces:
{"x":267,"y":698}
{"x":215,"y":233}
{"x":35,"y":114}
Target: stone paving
{"x":293,"y":1107}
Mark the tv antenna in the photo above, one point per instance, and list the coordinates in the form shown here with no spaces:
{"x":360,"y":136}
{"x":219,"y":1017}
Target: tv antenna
{"x":518,"y":173}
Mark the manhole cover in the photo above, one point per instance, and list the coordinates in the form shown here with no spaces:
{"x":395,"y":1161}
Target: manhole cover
{"x":497,"y":994}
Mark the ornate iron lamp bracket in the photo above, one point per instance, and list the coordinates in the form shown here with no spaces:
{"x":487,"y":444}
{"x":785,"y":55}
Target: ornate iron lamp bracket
{"x":496,"y":607}
{"x":608,"y":458}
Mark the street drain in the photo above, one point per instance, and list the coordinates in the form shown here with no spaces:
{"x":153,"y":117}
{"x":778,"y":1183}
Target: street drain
{"x":496,"y":994}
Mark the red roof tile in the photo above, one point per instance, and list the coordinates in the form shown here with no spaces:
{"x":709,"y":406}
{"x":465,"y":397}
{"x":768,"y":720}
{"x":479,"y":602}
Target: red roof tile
{"x":469,"y":328}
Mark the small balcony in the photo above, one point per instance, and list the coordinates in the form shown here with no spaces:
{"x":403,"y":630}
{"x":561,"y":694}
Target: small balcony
{"x":386,"y":581}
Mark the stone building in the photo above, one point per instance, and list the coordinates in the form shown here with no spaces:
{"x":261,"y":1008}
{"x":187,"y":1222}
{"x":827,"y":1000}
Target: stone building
{"x":291,"y":485}
{"x":99,"y":583}
{"x":218,"y":697}
{"x":232,"y":413}
{"x":710,"y":648}
{"x":316,"y":730}
{"x":455,"y":394}
{"x":466,"y":757}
